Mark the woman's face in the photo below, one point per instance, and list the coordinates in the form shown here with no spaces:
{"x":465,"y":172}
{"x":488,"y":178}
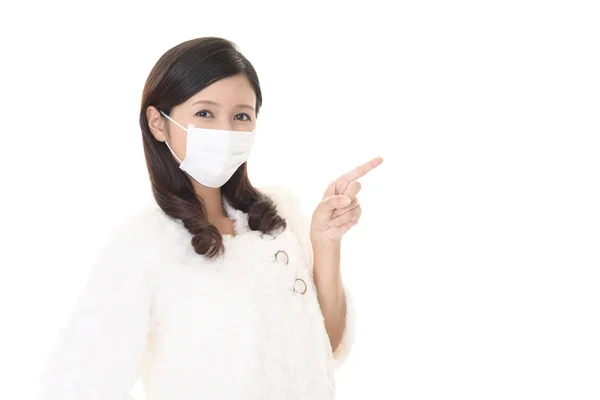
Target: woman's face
{"x":227,"y":104}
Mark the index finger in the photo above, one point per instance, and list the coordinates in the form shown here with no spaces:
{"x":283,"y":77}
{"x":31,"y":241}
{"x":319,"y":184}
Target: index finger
{"x":361,"y":170}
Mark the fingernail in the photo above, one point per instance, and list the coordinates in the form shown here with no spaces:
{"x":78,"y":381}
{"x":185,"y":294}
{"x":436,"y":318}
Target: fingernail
{"x":345,"y":201}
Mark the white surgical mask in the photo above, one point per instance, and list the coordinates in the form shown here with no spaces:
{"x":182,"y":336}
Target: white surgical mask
{"x":213,"y":155}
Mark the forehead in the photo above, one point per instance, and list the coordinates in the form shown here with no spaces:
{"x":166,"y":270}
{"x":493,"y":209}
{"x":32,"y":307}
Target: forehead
{"x":234,"y":89}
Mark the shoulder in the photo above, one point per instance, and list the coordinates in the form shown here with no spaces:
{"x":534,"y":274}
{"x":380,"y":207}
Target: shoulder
{"x":289,"y":207}
{"x":144,"y":222}
{"x":297,"y":219}
{"x":140,"y":232}
{"x":285,"y":198}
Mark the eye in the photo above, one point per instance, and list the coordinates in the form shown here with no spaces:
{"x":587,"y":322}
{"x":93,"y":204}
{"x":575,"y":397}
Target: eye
{"x":203,"y":113}
{"x":243,"y":114}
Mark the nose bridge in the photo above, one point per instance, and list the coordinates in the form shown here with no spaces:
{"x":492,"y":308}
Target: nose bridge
{"x":226,"y":125}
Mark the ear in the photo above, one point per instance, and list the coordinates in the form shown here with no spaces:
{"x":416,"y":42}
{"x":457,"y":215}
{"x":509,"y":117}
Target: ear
{"x":156,"y":123}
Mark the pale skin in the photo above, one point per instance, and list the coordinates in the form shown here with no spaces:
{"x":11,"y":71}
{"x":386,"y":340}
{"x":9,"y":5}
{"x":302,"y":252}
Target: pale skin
{"x":331,"y":220}
{"x":228,"y":104}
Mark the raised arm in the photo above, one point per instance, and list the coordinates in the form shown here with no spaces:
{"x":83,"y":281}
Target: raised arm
{"x":299,"y":223}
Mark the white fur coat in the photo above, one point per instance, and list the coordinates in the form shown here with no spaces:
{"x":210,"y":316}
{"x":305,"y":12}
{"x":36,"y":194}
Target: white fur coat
{"x":193,"y":329}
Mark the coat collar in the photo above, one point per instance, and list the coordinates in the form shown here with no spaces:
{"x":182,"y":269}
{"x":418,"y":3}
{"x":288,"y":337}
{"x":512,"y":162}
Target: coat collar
{"x":240,"y":218}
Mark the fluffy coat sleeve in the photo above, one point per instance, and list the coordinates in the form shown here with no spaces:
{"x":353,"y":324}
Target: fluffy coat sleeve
{"x":298,"y":222}
{"x":100,"y":349}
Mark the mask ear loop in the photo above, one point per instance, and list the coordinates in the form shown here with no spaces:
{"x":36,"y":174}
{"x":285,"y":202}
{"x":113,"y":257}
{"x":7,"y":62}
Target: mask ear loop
{"x":173,"y":121}
{"x":179,"y":125}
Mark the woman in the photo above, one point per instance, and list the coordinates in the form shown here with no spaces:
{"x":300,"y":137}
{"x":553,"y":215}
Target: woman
{"x":220,"y":290}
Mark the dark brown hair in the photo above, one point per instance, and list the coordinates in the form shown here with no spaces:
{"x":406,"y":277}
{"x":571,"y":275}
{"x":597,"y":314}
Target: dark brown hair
{"x":180,"y":73}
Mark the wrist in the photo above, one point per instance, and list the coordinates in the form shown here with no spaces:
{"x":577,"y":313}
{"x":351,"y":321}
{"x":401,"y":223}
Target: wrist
{"x":321,"y":243}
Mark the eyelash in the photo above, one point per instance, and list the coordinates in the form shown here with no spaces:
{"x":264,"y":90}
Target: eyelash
{"x":206,"y":111}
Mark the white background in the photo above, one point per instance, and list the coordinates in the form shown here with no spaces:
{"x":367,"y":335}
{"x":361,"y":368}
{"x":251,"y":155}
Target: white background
{"x":475,"y":266}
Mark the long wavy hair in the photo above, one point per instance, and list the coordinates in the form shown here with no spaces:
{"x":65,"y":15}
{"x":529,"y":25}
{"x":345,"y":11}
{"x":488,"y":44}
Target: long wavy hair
{"x":180,"y":73}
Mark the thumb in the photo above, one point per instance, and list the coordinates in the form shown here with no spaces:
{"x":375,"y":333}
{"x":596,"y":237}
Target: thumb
{"x":334,"y":202}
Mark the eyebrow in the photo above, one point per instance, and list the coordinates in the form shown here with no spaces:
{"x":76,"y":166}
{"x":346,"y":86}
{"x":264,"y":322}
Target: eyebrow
{"x":214,"y":103}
